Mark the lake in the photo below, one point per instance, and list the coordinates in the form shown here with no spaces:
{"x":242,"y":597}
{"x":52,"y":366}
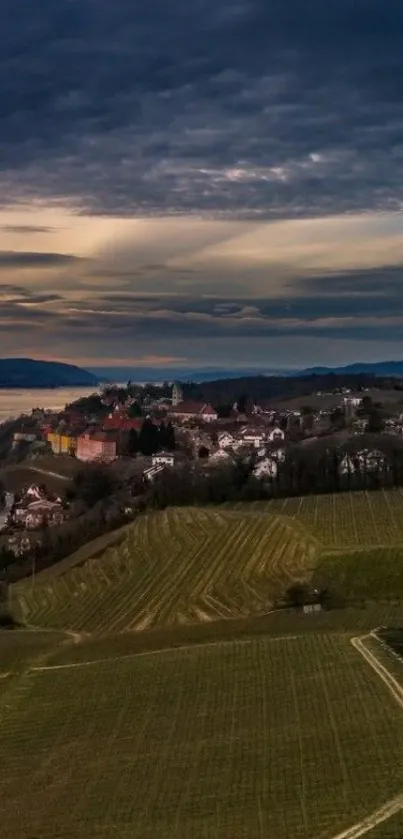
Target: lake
{"x":15,"y":402}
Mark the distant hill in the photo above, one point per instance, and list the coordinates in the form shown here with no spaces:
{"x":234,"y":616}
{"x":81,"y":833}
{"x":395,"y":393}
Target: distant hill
{"x":182,"y":374}
{"x":378,"y":368}
{"x":29,"y":373}
{"x":208,"y":374}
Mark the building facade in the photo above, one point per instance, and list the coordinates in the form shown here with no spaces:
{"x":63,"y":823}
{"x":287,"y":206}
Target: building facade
{"x":98,"y":446}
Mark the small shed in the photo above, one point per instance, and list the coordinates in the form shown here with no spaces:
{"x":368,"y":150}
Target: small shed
{"x":310,"y":608}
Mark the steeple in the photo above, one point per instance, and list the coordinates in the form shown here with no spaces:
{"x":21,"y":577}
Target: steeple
{"x":177,"y":394}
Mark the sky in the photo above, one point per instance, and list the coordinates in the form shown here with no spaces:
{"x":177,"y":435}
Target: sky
{"x":201,"y":184}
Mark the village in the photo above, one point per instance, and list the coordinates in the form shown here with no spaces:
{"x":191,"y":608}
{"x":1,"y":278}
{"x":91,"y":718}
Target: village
{"x":160,"y":433}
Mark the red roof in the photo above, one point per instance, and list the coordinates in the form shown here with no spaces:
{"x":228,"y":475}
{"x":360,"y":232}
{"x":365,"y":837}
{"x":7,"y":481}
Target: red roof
{"x":195,"y":408}
{"x":123,"y":423}
{"x":99,"y":436}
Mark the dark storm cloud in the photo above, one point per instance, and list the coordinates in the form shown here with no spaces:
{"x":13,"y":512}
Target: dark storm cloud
{"x":27,"y":259}
{"x":11,"y":295}
{"x":348,"y":294}
{"x":347,"y":306}
{"x":233,"y":108}
{"x":25,"y":229}
{"x":374,"y":288}
{"x":342,"y":309}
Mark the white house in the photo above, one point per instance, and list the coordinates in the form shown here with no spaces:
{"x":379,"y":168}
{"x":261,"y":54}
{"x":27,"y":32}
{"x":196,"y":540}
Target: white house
{"x":253,"y":437}
{"x":163,"y":459}
{"x":267,"y":468}
{"x":352,"y":401}
{"x":221,"y":455}
{"x":278,"y":454}
{"x":347,"y":465}
{"x":225,"y":440}
{"x":276,"y":434}
{"x":371,"y":460}
{"x":365,"y":460}
{"x":152,"y":471}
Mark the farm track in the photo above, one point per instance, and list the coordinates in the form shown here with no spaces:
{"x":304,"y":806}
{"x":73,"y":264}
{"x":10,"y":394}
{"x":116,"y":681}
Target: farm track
{"x":395,"y":804}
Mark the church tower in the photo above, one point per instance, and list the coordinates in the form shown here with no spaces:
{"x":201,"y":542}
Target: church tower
{"x":177,"y":394}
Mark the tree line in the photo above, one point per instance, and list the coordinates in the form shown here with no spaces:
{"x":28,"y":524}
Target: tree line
{"x":100,"y":497}
{"x":376,"y":461}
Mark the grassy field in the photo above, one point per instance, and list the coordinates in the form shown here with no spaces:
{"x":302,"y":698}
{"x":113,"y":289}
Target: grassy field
{"x":18,"y":649}
{"x":281,"y":738}
{"x":54,"y":472}
{"x":176,"y":567}
{"x":391,"y":829}
{"x":265,"y":726}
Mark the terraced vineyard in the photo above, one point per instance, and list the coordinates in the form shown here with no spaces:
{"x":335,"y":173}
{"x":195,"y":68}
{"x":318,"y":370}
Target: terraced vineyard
{"x":287,"y":739}
{"x":348,"y":519}
{"x":180,"y":566}
{"x":190,"y":565}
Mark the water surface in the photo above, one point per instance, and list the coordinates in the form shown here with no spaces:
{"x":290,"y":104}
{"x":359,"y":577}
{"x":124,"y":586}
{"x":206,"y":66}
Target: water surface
{"x":15,"y":402}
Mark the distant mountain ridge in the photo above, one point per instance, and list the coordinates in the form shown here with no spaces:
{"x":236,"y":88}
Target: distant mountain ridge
{"x":377,"y":368}
{"x":30,"y":373}
{"x":205,"y":374}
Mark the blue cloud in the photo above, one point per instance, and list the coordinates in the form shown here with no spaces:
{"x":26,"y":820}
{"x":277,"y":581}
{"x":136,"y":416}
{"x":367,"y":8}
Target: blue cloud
{"x":242,"y":108}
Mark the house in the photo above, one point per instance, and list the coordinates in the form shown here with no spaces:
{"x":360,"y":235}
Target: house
{"x":186,"y":411}
{"x":225,"y":440}
{"x":253,"y":437}
{"x":366,"y":460}
{"x":39,"y":512}
{"x":151,"y":473}
{"x":277,"y":452}
{"x":267,"y":468}
{"x":23,"y":437}
{"x":311,"y":608}
{"x":97,"y":445}
{"x":163,"y":459}
{"x":347,"y":465}
{"x":35,"y":509}
{"x":371,"y":460}
{"x":121,"y":422}
{"x":352,"y":401}
{"x":62,"y":442}
{"x":263,"y":409}
{"x":275,"y":434}
{"x":220,"y":456}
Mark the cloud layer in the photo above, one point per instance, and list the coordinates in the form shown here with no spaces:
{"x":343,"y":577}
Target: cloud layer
{"x":241,"y":108}
{"x":211,"y":182}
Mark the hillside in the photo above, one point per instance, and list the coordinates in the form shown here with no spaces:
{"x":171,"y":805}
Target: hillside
{"x":177,"y":567}
{"x":30,"y":373}
{"x":376,"y":368}
{"x":188,"y":565}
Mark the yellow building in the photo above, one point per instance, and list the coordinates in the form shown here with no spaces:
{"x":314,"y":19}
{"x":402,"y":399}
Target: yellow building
{"x":62,"y":443}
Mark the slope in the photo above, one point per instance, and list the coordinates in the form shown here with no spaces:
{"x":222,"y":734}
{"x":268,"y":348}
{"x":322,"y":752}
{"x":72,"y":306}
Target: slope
{"x":176,"y":567}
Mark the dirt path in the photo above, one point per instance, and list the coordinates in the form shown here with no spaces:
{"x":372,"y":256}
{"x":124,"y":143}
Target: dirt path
{"x":392,"y":684}
{"x":370,"y":822}
{"x":49,"y":473}
{"x":161,"y":651}
{"x":395,"y":804}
